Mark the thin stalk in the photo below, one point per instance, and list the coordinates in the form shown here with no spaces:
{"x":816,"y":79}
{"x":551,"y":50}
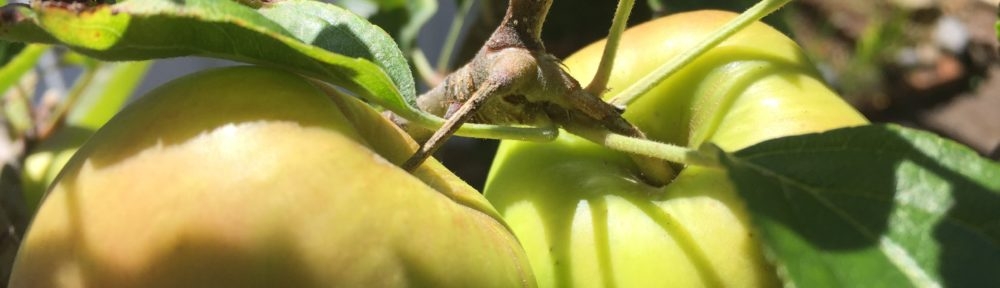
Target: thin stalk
{"x":11,"y":72}
{"x":599,"y":84}
{"x":755,"y":13}
{"x":444,"y":59}
{"x":56,"y":118}
{"x":18,"y":108}
{"x":649,"y":148}
{"x":655,"y":171}
{"x":664,"y":151}
{"x":430,"y":76}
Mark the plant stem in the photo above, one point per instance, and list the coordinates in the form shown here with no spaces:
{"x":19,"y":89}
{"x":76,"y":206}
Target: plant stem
{"x":649,"y":148}
{"x":668,"y":152}
{"x":18,"y":108}
{"x":599,"y":84}
{"x":444,"y":59}
{"x":755,"y":13}
{"x":56,"y":118}
{"x":430,"y":76}
{"x":11,"y":72}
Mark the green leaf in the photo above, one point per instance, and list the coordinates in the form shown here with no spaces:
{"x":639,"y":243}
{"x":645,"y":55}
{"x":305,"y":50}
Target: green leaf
{"x":8,"y":50}
{"x":873,"y":206}
{"x":106,"y":93}
{"x":19,"y":64}
{"x":310,"y":37}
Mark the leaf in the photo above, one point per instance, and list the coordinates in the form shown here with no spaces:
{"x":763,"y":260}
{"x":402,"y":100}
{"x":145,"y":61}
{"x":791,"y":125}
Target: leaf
{"x":106,"y":93}
{"x":310,"y":37}
{"x":873,"y":206}
{"x":8,"y":50}
{"x":19,"y":64}
{"x":313,"y":38}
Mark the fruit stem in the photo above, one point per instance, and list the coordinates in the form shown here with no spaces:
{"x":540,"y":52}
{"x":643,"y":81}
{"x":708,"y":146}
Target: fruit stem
{"x":650,"y":148}
{"x":430,"y":76}
{"x":755,"y":13}
{"x":599,"y":84}
{"x":667,"y":152}
{"x":56,"y":118}
{"x":444,"y":58}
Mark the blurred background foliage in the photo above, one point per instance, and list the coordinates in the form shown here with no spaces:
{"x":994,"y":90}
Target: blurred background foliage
{"x":930,"y":64}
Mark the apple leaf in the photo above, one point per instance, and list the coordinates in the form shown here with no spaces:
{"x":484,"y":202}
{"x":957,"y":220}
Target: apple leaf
{"x":8,"y":50}
{"x":313,"y":38}
{"x":873,"y":206}
{"x":106,"y":92}
{"x":310,"y":37}
{"x":19,"y":64}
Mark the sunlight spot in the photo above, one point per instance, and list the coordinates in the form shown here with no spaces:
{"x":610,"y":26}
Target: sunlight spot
{"x":772,"y":103}
{"x":909,"y":266}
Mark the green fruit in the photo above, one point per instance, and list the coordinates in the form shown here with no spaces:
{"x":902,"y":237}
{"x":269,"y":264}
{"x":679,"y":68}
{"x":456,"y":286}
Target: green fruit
{"x":251,"y":177}
{"x":584,"y":216}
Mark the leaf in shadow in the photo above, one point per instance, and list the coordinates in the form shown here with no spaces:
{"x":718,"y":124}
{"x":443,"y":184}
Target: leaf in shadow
{"x":873,"y":206}
{"x":8,"y":50}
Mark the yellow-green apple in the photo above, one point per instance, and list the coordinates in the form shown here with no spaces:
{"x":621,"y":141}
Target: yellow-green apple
{"x":584,"y":216}
{"x":254,"y":177}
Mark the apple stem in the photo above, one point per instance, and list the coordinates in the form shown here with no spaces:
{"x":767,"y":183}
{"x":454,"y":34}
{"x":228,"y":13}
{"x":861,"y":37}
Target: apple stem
{"x":755,"y":13}
{"x":649,"y":148}
{"x":430,"y":76}
{"x":599,"y":84}
{"x":444,"y":58}
{"x":55,"y":119}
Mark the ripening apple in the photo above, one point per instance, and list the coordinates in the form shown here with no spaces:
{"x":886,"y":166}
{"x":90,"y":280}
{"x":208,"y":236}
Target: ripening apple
{"x":255,"y":177}
{"x":587,"y":220}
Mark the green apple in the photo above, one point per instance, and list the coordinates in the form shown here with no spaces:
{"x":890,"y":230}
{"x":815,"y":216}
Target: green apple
{"x":253,"y":177}
{"x":584,"y":216}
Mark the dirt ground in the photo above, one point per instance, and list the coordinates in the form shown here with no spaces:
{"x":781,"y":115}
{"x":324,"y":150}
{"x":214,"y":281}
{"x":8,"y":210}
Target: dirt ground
{"x":921,"y":63}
